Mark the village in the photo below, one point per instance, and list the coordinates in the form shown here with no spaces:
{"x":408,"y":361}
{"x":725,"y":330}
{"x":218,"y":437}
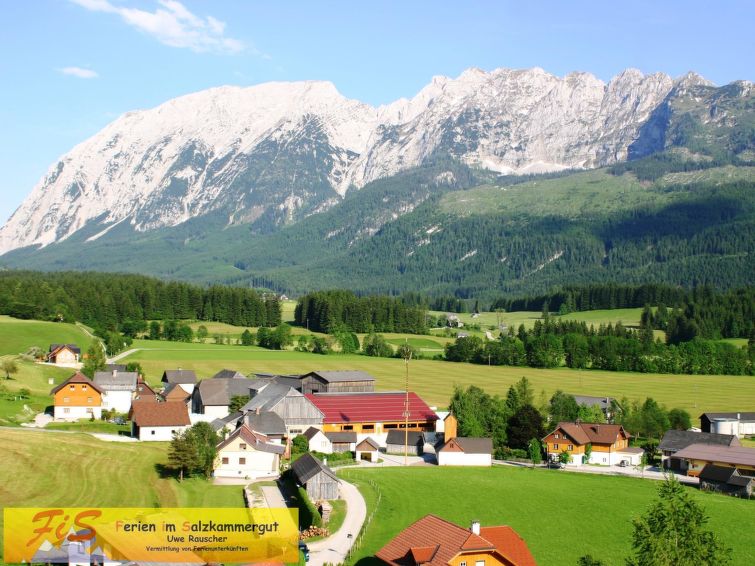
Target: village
{"x":303,"y":425}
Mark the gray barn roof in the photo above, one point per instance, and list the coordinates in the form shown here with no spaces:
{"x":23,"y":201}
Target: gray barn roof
{"x":475,"y":445}
{"x":675,"y":440}
{"x":342,"y":375}
{"x":307,"y":467}
{"x":220,"y":391}
{"x":267,"y":397}
{"x":745,"y":417}
{"x":266,"y":422}
{"x":228,"y":374}
{"x":179,"y":376}
{"x":602,"y":402}
{"x":341,"y":437}
{"x":116,"y":380}
{"x":396,"y":436}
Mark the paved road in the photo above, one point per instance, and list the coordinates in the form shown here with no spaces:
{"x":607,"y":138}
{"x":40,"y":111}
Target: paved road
{"x":333,"y":549}
{"x":273,"y":496}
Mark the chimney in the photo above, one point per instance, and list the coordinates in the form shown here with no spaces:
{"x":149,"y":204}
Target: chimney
{"x":475,"y":528}
{"x":257,"y":411}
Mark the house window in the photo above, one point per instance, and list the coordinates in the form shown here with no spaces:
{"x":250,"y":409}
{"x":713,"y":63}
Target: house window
{"x":89,"y":399}
{"x":479,"y":563}
{"x":152,"y":432}
{"x":555,"y":446}
{"x":66,"y":410}
{"x":225,"y":460}
{"x":242,"y":461}
{"x":295,"y":431}
{"x":84,"y":387}
{"x":368,"y":427}
{"x":555,"y":436}
{"x":570,"y":447}
{"x":66,"y":399}
{"x":242,"y":446}
{"x":462,"y":564}
{"x":90,"y":411}
{"x":390,"y":426}
{"x":347,"y":427}
{"x":71,"y":387}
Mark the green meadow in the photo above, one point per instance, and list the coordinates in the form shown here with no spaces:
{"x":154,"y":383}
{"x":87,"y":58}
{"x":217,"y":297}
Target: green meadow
{"x":561,"y":515}
{"x":17,"y":336}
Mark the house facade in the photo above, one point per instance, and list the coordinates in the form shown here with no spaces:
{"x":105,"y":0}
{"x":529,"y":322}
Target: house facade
{"x":466,"y":451}
{"x":158,"y":421}
{"x":118,"y":387}
{"x":63,"y":355}
{"x":247,"y":454}
{"x":433,"y":541}
{"x":317,"y":440}
{"x":609,"y":444}
{"x":373,"y":414}
{"x":78,"y":397}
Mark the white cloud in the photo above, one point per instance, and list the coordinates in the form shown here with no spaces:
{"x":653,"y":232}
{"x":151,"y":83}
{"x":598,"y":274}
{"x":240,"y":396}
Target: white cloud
{"x":79,"y":72}
{"x":172,"y":24}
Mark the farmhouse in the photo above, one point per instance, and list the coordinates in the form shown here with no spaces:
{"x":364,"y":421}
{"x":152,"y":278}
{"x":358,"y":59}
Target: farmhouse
{"x":740,"y":423}
{"x":724,"y":479}
{"x":337,"y":382}
{"x":464,"y":451}
{"x":436,"y":542}
{"x":77,"y":398}
{"x":247,"y":454}
{"x":318,"y":479}
{"x":297,"y":411}
{"x":372,"y":414}
{"x":700,"y":455}
{"x":367,"y":450}
{"x":118,"y":388}
{"x":63,"y":354}
{"x":186,"y":378}
{"x":675,"y":440}
{"x":317,"y":440}
{"x":609,"y":444}
{"x":396,"y":440}
{"x":158,"y":421}
{"x":212,"y":397}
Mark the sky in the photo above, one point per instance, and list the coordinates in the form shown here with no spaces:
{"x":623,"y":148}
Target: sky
{"x":69,"y":67}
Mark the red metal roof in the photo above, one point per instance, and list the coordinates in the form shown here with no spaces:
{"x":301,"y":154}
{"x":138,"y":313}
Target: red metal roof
{"x":370,"y":407}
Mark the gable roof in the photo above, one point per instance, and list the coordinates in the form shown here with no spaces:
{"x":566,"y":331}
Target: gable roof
{"x":595,"y":433}
{"x":220,"y":390}
{"x":228,"y":374}
{"x":171,"y":413}
{"x":73,"y":347}
{"x":370,"y":407}
{"x":589,"y":401}
{"x":179,"y":376}
{"x":734,"y":455}
{"x":257,"y":441}
{"x":396,"y":436}
{"x":116,"y":380}
{"x":307,"y":466}
{"x":266,"y":422}
{"x":745,"y":417}
{"x":711,"y":472}
{"x":436,"y":541}
{"x":678,"y":439}
{"x":269,"y":397}
{"x":311,"y":432}
{"x":232,"y":419}
{"x":144,"y":392}
{"x":368,"y":445}
{"x":174,"y":392}
{"x":335,"y":376}
{"x":77,"y":377}
{"x":471,"y":445}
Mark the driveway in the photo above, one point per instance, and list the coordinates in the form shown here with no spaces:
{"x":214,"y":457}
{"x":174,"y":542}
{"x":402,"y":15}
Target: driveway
{"x":333,"y":549}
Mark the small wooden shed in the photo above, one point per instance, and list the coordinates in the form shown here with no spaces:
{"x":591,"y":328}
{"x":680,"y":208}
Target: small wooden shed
{"x":368,"y":450}
{"x":396,"y":441}
{"x":317,"y":478}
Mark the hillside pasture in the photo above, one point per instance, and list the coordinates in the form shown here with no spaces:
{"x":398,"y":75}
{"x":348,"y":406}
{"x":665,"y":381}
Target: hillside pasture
{"x":434,"y":380}
{"x":17,"y":336}
{"x":561,"y":515}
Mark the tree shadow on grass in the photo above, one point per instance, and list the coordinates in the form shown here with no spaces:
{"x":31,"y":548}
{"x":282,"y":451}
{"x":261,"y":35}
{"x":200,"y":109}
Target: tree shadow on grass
{"x":164,"y":471}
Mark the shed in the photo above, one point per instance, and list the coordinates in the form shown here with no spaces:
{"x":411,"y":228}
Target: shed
{"x":345,"y":381}
{"x":317,"y":478}
{"x":318,"y":442}
{"x":342,"y":441}
{"x":466,"y":451}
{"x":726,"y":480}
{"x":396,"y":440}
{"x":367,"y":450}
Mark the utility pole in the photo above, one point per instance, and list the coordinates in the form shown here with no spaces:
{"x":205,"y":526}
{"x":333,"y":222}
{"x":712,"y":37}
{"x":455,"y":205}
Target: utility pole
{"x":407,"y":357}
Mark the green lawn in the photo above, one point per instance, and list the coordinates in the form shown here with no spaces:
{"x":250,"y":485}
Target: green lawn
{"x":35,"y":378}
{"x":17,"y":336}
{"x":76,"y":470}
{"x":86,"y":425}
{"x":434,"y":380}
{"x":561,"y":515}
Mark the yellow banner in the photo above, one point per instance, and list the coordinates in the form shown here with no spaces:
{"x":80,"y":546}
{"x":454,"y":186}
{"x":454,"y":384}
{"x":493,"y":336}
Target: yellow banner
{"x":198,"y":535}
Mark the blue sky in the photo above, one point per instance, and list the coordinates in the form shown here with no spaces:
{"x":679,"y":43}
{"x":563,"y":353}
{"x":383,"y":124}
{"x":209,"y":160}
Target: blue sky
{"x":69,"y":67}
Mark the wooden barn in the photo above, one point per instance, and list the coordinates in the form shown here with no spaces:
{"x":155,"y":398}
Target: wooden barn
{"x":337,"y":382}
{"x":317,"y":478}
{"x":368,"y":450}
{"x":394,"y":443}
{"x":724,"y":479}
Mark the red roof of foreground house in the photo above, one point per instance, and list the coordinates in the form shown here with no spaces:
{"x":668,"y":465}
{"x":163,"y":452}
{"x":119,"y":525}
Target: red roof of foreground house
{"x":370,"y":407}
{"x":435,"y":541}
{"x":172,"y":413}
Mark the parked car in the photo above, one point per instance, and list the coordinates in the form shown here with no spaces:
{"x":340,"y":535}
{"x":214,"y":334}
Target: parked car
{"x":623,"y":463}
{"x":304,"y":549}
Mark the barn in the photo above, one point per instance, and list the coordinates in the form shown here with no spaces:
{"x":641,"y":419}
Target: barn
{"x":317,"y":478}
{"x":396,"y":439}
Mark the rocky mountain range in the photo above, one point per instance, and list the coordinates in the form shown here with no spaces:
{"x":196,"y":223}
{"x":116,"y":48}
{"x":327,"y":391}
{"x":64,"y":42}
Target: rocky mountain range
{"x":270,"y":155}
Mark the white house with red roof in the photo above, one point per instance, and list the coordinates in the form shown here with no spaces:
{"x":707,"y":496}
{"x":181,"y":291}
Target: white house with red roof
{"x":158,"y":421}
{"x":373,"y":414}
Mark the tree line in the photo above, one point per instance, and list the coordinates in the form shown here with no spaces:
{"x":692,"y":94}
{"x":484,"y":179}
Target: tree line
{"x":324,"y":311}
{"x":113,"y":301}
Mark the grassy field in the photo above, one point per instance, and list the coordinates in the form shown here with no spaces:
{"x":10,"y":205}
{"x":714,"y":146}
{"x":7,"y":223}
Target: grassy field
{"x":561,"y":515}
{"x":17,"y":336}
{"x":76,"y":470}
{"x":35,"y":378}
{"x":434,"y":380}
